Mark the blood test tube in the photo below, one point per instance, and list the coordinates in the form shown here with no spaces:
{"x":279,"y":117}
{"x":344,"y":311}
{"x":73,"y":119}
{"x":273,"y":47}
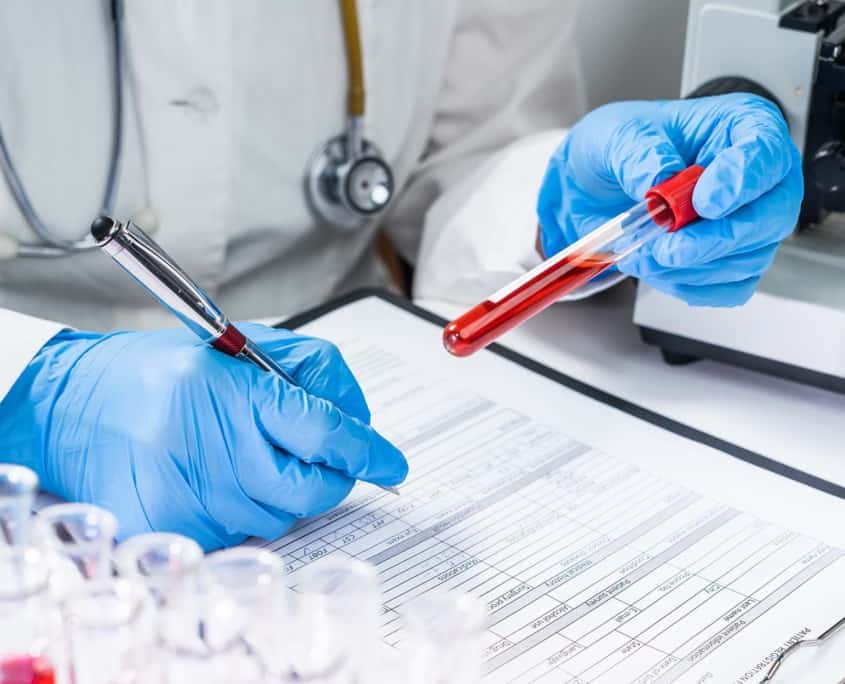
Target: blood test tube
{"x":666,"y":208}
{"x":29,"y":624}
{"x":26,"y":669}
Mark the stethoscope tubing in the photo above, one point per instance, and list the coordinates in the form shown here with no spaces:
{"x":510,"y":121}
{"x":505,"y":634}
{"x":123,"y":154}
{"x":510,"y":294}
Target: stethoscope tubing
{"x":55,"y":246}
{"x":357,"y":149}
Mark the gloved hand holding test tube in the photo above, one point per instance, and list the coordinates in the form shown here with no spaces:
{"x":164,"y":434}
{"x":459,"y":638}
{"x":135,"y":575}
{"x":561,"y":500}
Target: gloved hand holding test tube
{"x":666,"y":208}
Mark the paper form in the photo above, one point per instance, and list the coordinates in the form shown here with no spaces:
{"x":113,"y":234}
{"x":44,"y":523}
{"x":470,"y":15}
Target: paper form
{"x":594,"y":568}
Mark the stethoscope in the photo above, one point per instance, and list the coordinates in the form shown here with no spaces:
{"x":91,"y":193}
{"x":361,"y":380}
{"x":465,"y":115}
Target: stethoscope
{"x":347,"y":182}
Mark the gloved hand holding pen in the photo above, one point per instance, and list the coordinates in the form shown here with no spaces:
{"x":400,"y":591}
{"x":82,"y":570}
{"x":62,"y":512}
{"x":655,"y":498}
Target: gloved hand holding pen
{"x":170,"y":435}
{"x":748,"y":197}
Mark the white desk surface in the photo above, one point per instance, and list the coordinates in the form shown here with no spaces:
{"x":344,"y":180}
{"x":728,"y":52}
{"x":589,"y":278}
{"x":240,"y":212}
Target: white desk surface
{"x":595,"y":341}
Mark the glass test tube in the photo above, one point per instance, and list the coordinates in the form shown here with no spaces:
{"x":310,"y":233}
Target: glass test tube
{"x":166,"y":563}
{"x":337,"y":606}
{"x":444,"y":633}
{"x":199,"y":631}
{"x":109,"y":632}
{"x":18,"y":487}
{"x":667,"y":207}
{"x":29,"y":623}
{"x":254,"y":580}
{"x":83,"y":533}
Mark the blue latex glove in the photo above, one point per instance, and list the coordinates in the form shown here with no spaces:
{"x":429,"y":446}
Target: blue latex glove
{"x":171,"y":435}
{"x":748,"y":197}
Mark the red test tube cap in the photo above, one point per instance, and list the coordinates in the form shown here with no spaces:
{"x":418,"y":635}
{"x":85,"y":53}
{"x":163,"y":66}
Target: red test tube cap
{"x":677,"y":194}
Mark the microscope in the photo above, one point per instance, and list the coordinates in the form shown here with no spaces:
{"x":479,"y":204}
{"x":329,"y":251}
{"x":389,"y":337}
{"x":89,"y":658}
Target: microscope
{"x":792,"y":53}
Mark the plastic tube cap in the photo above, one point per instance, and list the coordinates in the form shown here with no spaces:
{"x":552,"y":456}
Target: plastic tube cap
{"x":677,"y":194}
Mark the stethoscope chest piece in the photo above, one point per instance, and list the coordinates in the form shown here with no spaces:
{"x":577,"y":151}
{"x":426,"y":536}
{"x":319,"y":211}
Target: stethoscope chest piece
{"x":346,"y":191}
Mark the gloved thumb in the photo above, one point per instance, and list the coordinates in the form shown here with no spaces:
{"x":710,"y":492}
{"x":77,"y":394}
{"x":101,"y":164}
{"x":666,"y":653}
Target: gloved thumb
{"x":756,"y":157}
{"x":640,"y":155}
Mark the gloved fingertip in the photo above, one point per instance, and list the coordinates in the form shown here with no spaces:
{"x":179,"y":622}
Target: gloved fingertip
{"x":718,"y":190}
{"x":739,"y":294}
{"x":401,"y":470}
{"x":388,"y":467}
{"x":754,"y":163}
{"x":397,"y":474}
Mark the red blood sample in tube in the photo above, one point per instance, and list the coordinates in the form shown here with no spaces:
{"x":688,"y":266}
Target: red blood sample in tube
{"x":26,"y":669}
{"x":667,"y":207}
{"x":483,"y":323}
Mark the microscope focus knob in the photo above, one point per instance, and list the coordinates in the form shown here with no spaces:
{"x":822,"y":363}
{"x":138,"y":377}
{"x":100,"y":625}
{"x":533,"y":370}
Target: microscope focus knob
{"x":723,"y":85}
{"x":828,"y":168}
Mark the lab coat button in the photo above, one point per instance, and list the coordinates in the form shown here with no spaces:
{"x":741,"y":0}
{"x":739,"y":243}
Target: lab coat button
{"x":147,"y":220}
{"x":8,"y":247}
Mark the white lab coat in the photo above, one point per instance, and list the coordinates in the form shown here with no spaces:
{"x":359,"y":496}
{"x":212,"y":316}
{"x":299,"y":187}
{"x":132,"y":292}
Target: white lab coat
{"x":226,"y":103}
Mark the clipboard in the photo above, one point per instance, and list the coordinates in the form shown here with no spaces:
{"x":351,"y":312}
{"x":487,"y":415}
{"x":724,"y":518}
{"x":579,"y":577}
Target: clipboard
{"x":607,"y":398}
{"x":515,"y":399}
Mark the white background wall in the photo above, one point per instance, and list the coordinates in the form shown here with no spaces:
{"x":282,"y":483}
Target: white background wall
{"x":631,"y":49}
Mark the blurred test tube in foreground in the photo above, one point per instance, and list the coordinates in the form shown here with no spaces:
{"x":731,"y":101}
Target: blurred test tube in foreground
{"x":166,"y":563}
{"x":336,"y":612}
{"x":18,"y":487}
{"x":444,"y":633}
{"x":109,"y":632}
{"x":82,"y":533}
{"x":29,"y":622}
{"x":199,"y":630}
{"x":254,"y":580}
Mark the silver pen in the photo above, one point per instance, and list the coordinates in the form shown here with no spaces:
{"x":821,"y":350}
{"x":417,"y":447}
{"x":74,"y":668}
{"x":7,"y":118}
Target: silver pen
{"x":142,"y":258}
